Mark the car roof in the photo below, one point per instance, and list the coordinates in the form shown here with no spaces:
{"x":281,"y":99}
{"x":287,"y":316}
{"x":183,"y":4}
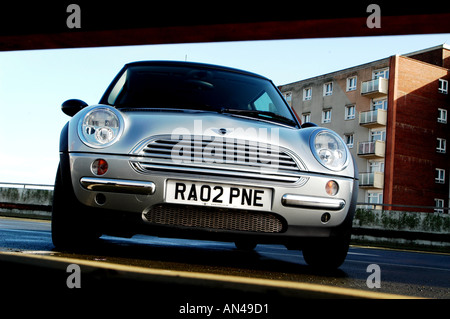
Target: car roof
{"x":194,"y":65}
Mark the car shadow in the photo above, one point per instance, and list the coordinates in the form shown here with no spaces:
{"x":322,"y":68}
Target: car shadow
{"x":266,"y":261}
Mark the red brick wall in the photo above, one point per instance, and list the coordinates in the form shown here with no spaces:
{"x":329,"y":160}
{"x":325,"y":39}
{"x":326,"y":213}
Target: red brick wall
{"x":413,"y":158}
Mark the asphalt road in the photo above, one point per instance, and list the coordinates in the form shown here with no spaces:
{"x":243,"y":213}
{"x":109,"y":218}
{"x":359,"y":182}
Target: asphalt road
{"x":408,"y":273}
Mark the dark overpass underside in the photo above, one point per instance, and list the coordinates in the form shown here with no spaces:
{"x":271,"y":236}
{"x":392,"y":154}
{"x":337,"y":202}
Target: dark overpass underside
{"x":35,"y":25}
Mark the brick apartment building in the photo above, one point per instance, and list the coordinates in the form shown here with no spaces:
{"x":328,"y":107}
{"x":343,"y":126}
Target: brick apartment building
{"x":393,"y":114}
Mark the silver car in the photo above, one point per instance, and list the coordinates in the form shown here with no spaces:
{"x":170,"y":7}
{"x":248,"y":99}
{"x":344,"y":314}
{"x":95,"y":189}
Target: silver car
{"x":189,"y":150}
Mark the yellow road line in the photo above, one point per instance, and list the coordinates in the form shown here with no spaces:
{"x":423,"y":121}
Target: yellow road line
{"x":403,"y":250}
{"x":314,"y":288}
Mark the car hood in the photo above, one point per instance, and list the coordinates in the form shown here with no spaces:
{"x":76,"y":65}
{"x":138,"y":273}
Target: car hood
{"x":141,"y":125}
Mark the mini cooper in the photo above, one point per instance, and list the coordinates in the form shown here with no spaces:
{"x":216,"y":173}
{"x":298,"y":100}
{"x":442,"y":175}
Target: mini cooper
{"x":191,"y":150}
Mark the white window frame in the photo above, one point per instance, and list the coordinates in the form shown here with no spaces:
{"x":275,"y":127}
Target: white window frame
{"x":381,"y":73}
{"x":326,"y":116}
{"x":349,"y":139}
{"x":306,"y":117}
{"x":350,"y":112}
{"x":374,"y":198}
{"x":380,"y":104}
{"x":328,"y":89}
{"x":288,"y":96}
{"x":375,"y":166}
{"x":440,"y":176}
{"x":439,"y":204}
{"x":377,"y":135}
{"x":352,"y":83}
{"x":307,"y":94}
{"x":442,"y":116}
{"x":443,"y":86}
{"x":441,"y":146}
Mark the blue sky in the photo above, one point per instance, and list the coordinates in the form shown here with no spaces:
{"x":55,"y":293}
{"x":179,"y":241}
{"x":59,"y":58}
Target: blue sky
{"x":33,"y":84}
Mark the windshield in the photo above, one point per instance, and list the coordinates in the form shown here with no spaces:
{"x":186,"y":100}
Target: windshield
{"x":185,"y":87}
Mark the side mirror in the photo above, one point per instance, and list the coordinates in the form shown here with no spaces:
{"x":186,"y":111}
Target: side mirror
{"x":73,"y":106}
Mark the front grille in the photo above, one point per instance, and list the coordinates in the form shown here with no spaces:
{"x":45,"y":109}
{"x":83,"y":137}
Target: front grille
{"x":217,"y":156}
{"x":214,"y":218}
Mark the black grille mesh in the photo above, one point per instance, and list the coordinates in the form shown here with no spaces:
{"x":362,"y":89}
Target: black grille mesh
{"x":215,"y":218}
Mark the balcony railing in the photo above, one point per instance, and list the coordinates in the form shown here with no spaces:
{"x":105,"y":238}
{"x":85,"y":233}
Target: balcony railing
{"x":375,"y":88}
{"x":371,"y":180}
{"x":374,"y":118}
{"x":372,"y":149}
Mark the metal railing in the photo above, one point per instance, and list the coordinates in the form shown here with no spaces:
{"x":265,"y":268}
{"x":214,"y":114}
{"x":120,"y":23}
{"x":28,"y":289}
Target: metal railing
{"x":374,"y":179}
{"x":26,"y":185}
{"x":377,"y":85}
{"x":374,"y":206}
{"x":366,"y":147}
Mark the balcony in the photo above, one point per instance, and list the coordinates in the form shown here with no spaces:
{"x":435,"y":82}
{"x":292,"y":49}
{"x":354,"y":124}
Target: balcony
{"x":373,"y":180}
{"x":373,"y":119}
{"x":375,"y":88}
{"x":371,"y":150}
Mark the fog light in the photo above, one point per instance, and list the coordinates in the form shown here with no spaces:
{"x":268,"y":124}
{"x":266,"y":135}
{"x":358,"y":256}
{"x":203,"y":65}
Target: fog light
{"x":99,"y":167}
{"x":100,"y":199}
{"x":325,"y":218}
{"x":332,"y":188}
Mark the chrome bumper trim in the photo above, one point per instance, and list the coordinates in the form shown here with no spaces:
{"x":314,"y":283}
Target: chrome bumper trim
{"x":312,"y":202}
{"x":117,"y":186}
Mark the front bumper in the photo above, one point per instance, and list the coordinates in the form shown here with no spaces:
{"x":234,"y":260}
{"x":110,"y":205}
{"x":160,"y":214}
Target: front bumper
{"x":122,"y":188}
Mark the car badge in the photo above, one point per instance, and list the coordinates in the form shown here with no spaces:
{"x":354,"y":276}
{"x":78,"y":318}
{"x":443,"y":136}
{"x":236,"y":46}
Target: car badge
{"x":223,"y":131}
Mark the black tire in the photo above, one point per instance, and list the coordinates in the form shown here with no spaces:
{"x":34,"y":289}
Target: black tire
{"x":327,"y":254}
{"x":73,"y":224}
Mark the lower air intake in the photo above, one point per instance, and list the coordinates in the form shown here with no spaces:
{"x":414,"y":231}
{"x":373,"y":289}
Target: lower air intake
{"x":214,"y":218}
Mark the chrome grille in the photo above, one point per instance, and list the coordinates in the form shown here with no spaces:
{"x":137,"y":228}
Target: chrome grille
{"x":214,"y":218}
{"x":216,"y":156}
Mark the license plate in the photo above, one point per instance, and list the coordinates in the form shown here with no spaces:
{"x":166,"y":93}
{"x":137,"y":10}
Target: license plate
{"x":220,"y":195}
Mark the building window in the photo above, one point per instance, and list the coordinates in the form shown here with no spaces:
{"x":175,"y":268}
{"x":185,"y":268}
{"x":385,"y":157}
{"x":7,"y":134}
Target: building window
{"x":443,"y":86}
{"x":439,"y":204}
{"x":350,"y":112}
{"x":442,"y":116}
{"x":377,"y":136}
{"x":384,"y":73}
{"x":328,"y":89}
{"x":375,"y":198}
{"x":326,"y":116}
{"x":441,"y":145}
{"x":288,"y":96}
{"x":379,"y":105}
{"x":307,"y":94}
{"x":351,"y":83}
{"x":440,"y":176}
{"x":376,"y":166}
{"x":349,"y":140}
{"x":306,"y":117}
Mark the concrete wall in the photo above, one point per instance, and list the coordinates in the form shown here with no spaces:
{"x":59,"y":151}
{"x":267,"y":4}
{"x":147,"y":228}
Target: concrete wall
{"x":400,"y":228}
{"x":24,"y":202}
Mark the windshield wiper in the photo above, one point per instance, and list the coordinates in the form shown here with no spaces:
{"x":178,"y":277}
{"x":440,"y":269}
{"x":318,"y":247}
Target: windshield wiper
{"x":261,"y":114}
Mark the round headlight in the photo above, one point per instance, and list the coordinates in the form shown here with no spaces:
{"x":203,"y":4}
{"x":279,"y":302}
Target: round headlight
{"x":101,"y":127}
{"x":330,"y":150}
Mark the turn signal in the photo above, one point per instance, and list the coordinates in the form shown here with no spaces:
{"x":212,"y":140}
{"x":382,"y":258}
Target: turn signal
{"x":332,"y":188}
{"x":99,"y":167}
